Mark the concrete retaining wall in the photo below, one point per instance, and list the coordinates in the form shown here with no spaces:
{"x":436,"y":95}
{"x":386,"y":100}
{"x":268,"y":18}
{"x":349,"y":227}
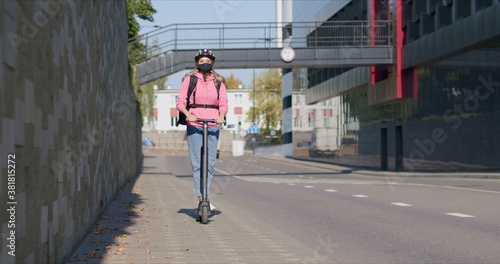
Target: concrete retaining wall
{"x":69,"y":126}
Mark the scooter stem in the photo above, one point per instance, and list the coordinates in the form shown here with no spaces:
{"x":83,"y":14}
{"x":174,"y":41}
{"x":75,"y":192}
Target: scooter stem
{"x":205,"y":163}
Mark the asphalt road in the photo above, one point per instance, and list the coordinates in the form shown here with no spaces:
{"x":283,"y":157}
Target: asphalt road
{"x":352,"y":218}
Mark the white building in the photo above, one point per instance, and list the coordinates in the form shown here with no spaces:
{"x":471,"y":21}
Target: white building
{"x":305,"y":117}
{"x":325,"y":114}
{"x":165,"y":112}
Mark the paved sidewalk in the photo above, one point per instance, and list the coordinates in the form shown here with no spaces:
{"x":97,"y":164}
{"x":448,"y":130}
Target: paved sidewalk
{"x":153,"y":220}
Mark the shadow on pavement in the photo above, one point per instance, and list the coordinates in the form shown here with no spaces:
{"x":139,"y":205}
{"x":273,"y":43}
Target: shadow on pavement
{"x":192,"y":213}
{"x":122,"y":213}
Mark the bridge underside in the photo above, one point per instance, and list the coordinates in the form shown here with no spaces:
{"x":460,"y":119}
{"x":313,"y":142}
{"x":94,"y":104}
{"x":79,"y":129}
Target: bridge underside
{"x":349,"y":56}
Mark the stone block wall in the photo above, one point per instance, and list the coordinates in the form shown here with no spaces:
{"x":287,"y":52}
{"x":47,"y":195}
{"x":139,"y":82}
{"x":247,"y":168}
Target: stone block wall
{"x":69,"y":125}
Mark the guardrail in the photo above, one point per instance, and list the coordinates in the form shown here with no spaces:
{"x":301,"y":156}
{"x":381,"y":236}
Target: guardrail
{"x":224,"y":36}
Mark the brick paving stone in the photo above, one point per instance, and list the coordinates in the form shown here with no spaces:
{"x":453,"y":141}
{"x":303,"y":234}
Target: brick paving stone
{"x":153,"y":220}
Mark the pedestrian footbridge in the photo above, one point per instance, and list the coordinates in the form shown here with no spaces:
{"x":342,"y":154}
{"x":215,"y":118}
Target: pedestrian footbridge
{"x":170,"y":49}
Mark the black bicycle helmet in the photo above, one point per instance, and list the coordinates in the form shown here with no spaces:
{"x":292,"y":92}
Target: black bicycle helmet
{"x":204,"y":53}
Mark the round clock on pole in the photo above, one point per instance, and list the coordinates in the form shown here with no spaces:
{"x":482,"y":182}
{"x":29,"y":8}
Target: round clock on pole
{"x":287,"y":54}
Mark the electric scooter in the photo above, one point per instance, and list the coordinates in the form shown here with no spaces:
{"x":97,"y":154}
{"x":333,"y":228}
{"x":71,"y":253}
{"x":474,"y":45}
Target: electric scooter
{"x":203,"y":205}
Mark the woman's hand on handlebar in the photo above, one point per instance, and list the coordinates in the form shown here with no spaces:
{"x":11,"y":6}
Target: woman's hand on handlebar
{"x":220,"y":120}
{"x":191,"y":118}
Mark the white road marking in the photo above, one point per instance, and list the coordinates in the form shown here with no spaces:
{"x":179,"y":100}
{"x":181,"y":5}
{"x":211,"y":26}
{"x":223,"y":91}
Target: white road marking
{"x":459,"y":215}
{"x":330,"y":190}
{"x":360,"y":196}
{"x":271,"y":179}
{"x":401,"y":204}
{"x":291,"y":183}
{"x":308,"y":186}
{"x":223,"y":172}
{"x":447,"y":187}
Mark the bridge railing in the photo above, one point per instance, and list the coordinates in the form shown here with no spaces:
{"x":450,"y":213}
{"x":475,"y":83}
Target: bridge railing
{"x":222,"y":36}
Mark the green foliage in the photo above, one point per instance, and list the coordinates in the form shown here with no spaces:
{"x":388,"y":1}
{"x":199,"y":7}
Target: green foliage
{"x":299,"y":79}
{"x":232,"y":82}
{"x":146,"y":95}
{"x":268,"y":103}
{"x":136,"y":52}
{"x":142,"y":9}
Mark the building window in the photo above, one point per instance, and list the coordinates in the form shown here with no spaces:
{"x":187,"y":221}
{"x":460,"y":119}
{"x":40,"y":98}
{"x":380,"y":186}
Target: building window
{"x":311,"y":118}
{"x":326,"y":122}
{"x":173,"y":121}
{"x":173,"y":116}
{"x":297,"y":100}
{"x":238,"y":99}
{"x":297,"y":121}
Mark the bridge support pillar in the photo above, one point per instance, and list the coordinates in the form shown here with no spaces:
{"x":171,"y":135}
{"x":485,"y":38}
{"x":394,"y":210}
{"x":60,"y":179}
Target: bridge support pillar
{"x":286,"y":123}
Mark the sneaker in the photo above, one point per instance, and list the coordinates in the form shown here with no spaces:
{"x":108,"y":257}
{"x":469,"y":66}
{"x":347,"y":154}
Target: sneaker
{"x":198,"y":206}
{"x":212,"y":207}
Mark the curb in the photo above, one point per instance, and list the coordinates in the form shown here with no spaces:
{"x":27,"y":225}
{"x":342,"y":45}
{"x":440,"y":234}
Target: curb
{"x":367,"y":172}
{"x":465,"y":175}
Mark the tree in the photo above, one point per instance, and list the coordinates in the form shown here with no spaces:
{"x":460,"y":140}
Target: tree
{"x":233,"y":82}
{"x":144,"y":10}
{"x":268,"y":103}
{"x":299,"y":79}
{"x":146,"y":98}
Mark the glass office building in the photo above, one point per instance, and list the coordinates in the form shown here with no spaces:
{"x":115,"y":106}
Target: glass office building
{"x":436,"y":108}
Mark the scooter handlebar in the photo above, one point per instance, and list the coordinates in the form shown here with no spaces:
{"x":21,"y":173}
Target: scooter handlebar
{"x":206,"y":120}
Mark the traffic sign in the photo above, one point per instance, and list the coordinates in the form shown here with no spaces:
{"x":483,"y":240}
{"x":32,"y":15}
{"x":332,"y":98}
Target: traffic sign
{"x":253,"y":129}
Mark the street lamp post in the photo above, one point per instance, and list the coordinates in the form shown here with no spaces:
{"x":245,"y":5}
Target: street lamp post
{"x":253,"y":101}
{"x":155,"y":26}
{"x":253,"y":118}
{"x":253,"y":97}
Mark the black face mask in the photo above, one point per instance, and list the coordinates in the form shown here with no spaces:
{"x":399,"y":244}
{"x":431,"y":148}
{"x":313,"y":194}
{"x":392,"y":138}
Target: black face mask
{"x":205,"y":67}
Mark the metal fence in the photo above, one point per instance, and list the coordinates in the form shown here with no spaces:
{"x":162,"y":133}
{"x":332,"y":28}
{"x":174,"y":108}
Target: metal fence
{"x":223,"y":36}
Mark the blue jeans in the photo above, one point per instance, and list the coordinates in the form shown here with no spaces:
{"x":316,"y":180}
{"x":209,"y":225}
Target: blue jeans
{"x":195,"y":146}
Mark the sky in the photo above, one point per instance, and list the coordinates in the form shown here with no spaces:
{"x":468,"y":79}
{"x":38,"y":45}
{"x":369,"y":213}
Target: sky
{"x":207,"y":11}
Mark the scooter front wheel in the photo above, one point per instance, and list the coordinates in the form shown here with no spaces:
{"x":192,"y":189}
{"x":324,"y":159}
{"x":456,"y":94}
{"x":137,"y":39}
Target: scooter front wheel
{"x":204,"y":215}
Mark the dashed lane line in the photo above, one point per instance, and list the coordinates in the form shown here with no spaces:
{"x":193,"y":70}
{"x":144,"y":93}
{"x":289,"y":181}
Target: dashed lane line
{"x":459,"y":215}
{"x":365,"y":196}
{"x":401,"y":204}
